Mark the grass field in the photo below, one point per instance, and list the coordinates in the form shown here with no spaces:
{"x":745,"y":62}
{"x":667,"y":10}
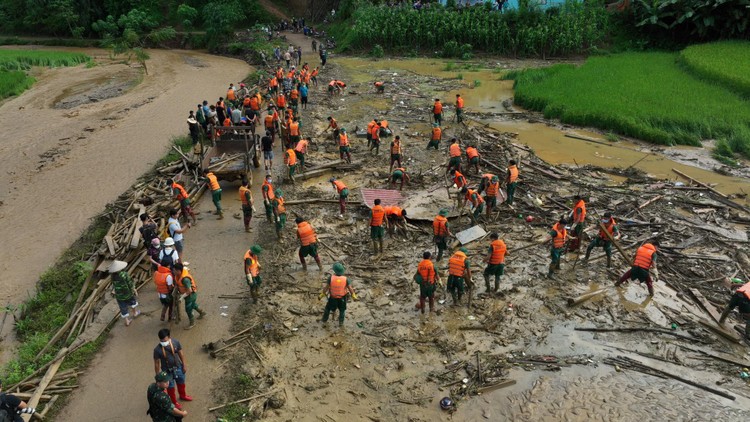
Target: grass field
{"x":14,"y":63}
{"x":726,"y":62}
{"x":13,"y":83}
{"x":648,"y":96}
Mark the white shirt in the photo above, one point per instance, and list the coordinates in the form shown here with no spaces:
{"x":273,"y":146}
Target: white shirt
{"x":174,"y":226}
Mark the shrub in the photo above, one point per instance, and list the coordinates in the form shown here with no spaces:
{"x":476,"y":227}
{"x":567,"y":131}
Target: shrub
{"x":377,"y":51}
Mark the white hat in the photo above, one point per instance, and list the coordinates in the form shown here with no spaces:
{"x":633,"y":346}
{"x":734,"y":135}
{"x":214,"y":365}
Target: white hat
{"x":192,"y":121}
{"x":169,"y":242}
{"x":117,"y":266}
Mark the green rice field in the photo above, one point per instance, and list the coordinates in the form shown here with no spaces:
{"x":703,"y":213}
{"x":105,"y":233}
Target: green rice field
{"x":15,"y":63}
{"x":726,"y":63}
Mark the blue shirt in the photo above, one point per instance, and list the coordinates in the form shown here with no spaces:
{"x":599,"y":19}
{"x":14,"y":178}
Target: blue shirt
{"x":303,"y":91}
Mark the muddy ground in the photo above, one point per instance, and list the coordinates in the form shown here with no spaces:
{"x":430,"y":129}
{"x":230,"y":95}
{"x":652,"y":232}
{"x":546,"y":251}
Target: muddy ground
{"x":389,"y":363}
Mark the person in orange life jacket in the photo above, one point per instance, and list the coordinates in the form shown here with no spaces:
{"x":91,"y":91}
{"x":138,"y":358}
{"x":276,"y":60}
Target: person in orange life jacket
{"x":578,"y":217}
{"x":427,"y":279}
{"x":168,"y":357}
{"x":375,"y":138}
{"x":395,"y":152}
{"x":557,"y":235}
{"x":399,"y":175}
{"x":300,"y":151}
{"x":337,"y":288}
{"x":369,"y":132}
{"x":294,"y":131}
{"x":334,"y":125}
{"x":472,"y":156}
{"x":741,"y":299}
{"x":180,"y":194}
{"x":290,"y":159}
{"x":459,"y":273}
{"x":459,"y":109}
{"x":251,"y":265}
{"x":343,"y":193}
{"x":603,"y":240}
{"x":164,"y":282}
{"x":477,"y":203}
{"x":437,"y":112}
{"x":308,"y":243}
{"x":279,"y":212}
{"x":645,"y":260}
{"x":454,"y":162}
{"x":492,"y":190}
{"x":441,"y":232}
{"x":188,"y":290}
{"x":344,"y":147}
{"x":511,"y":181}
{"x":495,"y":261}
{"x":377,"y":219}
{"x":379,"y":87}
{"x":124,"y":291}
{"x":246,"y":198}
{"x":267,"y":191}
{"x":395,"y":218}
{"x":213,"y":184}
{"x":435,"y":137}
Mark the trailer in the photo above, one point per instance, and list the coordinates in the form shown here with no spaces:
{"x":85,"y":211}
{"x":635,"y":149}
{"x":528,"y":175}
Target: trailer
{"x":233,"y":153}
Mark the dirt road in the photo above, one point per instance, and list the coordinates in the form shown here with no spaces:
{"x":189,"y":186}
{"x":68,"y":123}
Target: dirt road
{"x":61,"y":166}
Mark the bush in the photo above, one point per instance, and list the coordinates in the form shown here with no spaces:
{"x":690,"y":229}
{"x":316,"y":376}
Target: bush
{"x":377,"y":51}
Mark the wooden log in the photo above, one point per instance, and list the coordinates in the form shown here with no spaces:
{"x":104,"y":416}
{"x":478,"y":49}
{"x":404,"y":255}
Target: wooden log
{"x":85,"y":286}
{"x":257,"y":396}
{"x":650,"y":201}
{"x":319,"y":201}
{"x":639,"y":329}
{"x":49,"y":406}
{"x":724,"y":199}
{"x":587,"y":139}
{"x":136,"y":239}
{"x":51,"y":371}
{"x":729,"y":335}
{"x":573,"y":301}
{"x":614,"y":242}
{"x":111,"y":245}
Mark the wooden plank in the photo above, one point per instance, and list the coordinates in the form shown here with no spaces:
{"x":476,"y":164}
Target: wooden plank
{"x":111,"y":245}
{"x":136,"y":240}
{"x":501,"y":384}
{"x":705,"y":304}
{"x":51,"y":371}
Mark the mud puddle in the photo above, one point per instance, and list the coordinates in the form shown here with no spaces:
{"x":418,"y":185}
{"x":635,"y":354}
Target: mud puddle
{"x":97,"y":89}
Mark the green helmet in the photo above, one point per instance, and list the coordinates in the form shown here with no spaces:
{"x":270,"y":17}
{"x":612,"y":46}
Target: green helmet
{"x":338,"y":268}
{"x":464,"y":250}
{"x":278,"y":192}
{"x":444,"y":212}
{"x":256,"y":249}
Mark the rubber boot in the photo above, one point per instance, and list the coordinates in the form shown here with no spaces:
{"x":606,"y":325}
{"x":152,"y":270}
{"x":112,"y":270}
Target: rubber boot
{"x":221,"y":215}
{"x":440,"y":255}
{"x":380,"y":242}
{"x":497,"y":284}
{"x":609,"y":261}
{"x":173,"y":396}
{"x":455,"y":298}
{"x":164,"y":312}
{"x":551,"y":271}
{"x":557,"y":266}
{"x":432,"y":303}
{"x":651,"y":291}
{"x":341,"y":318}
{"x":183,"y":395}
{"x":191,"y":324}
{"x":317,"y":261}
{"x":375,"y":247}
{"x":421,"y":304}
{"x":487,"y":283}
{"x":201,"y":313}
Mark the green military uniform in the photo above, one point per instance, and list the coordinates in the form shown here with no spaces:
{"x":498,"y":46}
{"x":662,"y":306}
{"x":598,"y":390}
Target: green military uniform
{"x":159,"y":404}
{"x":397,"y":175}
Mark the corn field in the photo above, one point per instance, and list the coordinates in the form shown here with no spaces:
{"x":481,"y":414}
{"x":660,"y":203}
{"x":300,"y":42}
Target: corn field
{"x":570,"y":29}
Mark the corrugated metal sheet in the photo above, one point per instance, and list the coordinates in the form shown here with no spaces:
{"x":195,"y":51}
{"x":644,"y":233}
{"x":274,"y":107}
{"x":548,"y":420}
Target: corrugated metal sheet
{"x":387,"y":197}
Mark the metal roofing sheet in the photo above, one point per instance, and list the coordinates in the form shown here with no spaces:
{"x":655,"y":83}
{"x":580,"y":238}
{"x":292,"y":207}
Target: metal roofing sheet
{"x":387,"y":197}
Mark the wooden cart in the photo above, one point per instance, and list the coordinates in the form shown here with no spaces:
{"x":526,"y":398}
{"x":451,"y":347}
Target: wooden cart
{"x":233,"y":153}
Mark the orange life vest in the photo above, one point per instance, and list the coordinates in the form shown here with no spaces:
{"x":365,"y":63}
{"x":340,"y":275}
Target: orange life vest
{"x":254,"y":103}
{"x":474,"y":197}
{"x":246,"y":101}
{"x":610,"y":228}
{"x":314,"y":72}
{"x":644,"y":256}
{"x":230,"y":95}
{"x":396,"y":147}
{"x":437,"y":108}
{"x":579,"y":216}
{"x":472,"y":152}
{"x":281,"y":101}
{"x":427,"y":270}
{"x":560,"y":236}
{"x":333,"y":124}
{"x":181,"y":282}
{"x":370,"y":126}
{"x":267,"y":190}
{"x":279,"y":73}
{"x":745,"y":290}
{"x":182,"y":194}
{"x":338,"y":286}
{"x":294,"y":94}
{"x":455,"y":150}
{"x":160,"y":279}
{"x":301,"y":146}
{"x":254,"y":267}
{"x":513,"y":174}
{"x":439,"y":226}
{"x":378,"y":212}
{"x":498,"y":252}
{"x":269,"y":121}
{"x":274,"y":82}
{"x":378,"y":84}
{"x":340,"y":186}
{"x":457,"y":265}
{"x":493,"y":189}
{"x":290,"y":74}
{"x":280,"y":208}
{"x":343,"y":140}
{"x":243,"y":196}
{"x":227,"y":122}
{"x":436,"y":133}
{"x":459,"y":180}
{"x":393,"y":210}
{"x":459,"y":103}
{"x":306,"y":233}
{"x":294,"y":129}
{"x":290,"y":158}
{"x":213,"y":182}
{"x":375,"y":132}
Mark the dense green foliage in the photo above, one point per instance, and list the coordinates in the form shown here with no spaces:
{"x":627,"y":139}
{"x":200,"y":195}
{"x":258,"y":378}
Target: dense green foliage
{"x":13,"y":83}
{"x":686,"y":21}
{"x":528,"y":31}
{"x":725,"y":62}
{"x":644,"y":95}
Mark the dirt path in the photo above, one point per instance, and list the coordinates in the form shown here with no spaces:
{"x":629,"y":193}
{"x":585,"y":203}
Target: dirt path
{"x":61,"y":166}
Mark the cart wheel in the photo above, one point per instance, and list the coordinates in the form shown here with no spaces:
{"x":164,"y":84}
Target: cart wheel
{"x":256,"y":160}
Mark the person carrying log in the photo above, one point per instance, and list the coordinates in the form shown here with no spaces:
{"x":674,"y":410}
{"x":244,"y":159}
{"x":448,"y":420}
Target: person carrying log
{"x":396,"y":153}
{"x":395,"y":218}
{"x":435,"y":137}
{"x":459,"y":109}
{"x":343,"y":192}
{"x":377,"y":232}
{"x":740,"y":299}
{"x":459,"y":274}
{"x":344,"y":146}
{"x":279,"y":212}
{"x":557,"y":235}
{"x":124,"y":291}
{"x":472,"y":156}
{"x":511,"y":181}
{"x":246,"y":198}
{"x":164,"y":282}
{"x":337,"y":287}
{"x":188,"y":290}
{"x":603,"y":239}
{"x":645,"y":260}
{"x":495,"y":261}
{"x":437,"y":112}
{"x":251,"y":265}
{"x":213,"y":184}
{"x":11,"y":407}
{"x":427,"y":278}
{"x":181,"y":195}
{"x":579,"y":219}
{"x":160,"y":405}
{"x":267,"y":190}
{"x":441,"y":232}
{"x":454,"y":162}
{"x":398,"y":175}
{"x":308,"y":243}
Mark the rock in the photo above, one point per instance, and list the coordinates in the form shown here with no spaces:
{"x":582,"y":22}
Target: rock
{"x":277,"y":401}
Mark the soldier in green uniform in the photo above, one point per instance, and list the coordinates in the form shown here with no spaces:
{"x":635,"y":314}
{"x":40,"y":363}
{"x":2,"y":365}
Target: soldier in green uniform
{"x":125,"y":292}
{"x":337,"y":288}
{"x":279,"y":211}
{"x":160,"y":406}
